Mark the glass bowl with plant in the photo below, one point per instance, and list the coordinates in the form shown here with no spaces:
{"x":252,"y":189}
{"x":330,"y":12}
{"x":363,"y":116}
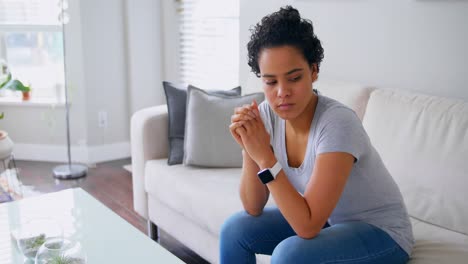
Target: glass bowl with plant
{"x":33,"y":233}
{"x":60,"y":251}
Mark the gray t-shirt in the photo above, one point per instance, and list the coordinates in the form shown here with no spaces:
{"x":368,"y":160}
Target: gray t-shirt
{"x":370,"y":195}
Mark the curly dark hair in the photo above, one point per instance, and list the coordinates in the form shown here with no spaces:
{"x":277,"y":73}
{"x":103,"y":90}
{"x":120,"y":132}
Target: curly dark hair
{"x":284,"y":27}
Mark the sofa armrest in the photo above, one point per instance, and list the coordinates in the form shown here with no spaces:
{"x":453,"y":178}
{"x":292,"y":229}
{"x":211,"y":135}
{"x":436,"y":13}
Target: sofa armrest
{"x":148,"y":135}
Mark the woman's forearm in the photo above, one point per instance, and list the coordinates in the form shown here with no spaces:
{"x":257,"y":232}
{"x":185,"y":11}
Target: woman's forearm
{"x":253,"y":193}
{"x":292,"y":205}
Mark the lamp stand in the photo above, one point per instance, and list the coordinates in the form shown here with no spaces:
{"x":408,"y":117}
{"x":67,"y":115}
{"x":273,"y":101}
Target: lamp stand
{"x":68,"y":171}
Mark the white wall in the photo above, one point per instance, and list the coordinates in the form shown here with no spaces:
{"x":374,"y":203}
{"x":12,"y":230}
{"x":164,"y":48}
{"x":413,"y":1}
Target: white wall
{"x":418,"y":45}
{"x":170,"y":40}
{"x":145,"y":60}
{"x":106,"y":70}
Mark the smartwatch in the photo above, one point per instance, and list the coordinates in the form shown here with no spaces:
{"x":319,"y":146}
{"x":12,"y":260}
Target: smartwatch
{"x":269,"y":174}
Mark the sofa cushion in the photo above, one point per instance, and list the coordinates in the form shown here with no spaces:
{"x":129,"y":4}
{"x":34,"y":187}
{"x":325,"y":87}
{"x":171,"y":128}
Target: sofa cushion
{"x":435,"y":245}
{"x":202,"y":242}
{"x":353,"y":95}
{"x":208,"y":141}
{"x":423,"y":141}
{"x":206,"y":196}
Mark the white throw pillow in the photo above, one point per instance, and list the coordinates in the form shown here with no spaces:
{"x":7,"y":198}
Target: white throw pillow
{"x":208,"y":142}
{"x":423,"y":141}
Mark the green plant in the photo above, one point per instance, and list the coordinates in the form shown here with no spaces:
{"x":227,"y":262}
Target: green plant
{"x":8,"y":82}
{"x":30,"y":245}
{"x":62,"y":259}
{"x":14,"y":85}
{"x":36,"y":242}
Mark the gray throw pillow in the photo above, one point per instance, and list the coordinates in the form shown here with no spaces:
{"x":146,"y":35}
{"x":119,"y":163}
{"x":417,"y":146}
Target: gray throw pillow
{"x":176,"y":98}
{"x":208,"y":142}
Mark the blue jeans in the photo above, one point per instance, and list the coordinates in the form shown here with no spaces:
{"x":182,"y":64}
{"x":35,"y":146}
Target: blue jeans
{"x":243,"y":235}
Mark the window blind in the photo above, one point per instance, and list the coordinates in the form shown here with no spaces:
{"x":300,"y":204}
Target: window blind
{"x":209,"y":43}
{"x":29,"y":12}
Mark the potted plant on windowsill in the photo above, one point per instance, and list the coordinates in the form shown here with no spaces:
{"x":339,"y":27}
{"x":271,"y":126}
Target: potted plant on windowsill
{"x":7,"y":82}
{"x":16,"y":85}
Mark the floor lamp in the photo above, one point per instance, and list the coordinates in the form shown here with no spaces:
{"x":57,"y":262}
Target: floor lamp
{"x":69,"y":170}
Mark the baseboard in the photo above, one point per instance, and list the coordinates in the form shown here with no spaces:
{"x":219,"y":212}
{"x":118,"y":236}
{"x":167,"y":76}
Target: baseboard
{"x":80,"y":154}
{"x":52,"y":153}
{"x":109,"y":152}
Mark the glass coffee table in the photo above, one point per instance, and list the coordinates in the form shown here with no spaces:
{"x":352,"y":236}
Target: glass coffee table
{"x":104,"y":236}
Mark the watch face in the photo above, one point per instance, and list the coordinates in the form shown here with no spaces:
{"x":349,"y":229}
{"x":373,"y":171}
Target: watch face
{"x":265,"y":176}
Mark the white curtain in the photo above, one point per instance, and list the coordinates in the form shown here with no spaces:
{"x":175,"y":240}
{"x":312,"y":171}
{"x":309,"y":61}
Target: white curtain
{"x":209,"y":43}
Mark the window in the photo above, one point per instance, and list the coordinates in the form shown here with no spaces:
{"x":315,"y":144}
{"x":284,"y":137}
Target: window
{"x":31,"y":43}
{"x":209,"y":43}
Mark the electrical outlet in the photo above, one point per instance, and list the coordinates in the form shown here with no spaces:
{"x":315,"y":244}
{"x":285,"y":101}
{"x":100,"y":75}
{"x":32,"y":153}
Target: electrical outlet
{"x":102,"y":119}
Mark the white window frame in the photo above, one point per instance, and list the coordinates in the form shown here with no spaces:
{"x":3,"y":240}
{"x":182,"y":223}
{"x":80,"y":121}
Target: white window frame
{"x":14,"y":100}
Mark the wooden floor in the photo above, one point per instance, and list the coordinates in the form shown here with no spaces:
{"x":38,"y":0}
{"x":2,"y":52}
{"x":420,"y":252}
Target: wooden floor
{"x":109,"y":183}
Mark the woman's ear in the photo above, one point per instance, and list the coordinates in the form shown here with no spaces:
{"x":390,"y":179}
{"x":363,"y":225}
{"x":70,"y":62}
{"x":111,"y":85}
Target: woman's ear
{"x":314,"y":72}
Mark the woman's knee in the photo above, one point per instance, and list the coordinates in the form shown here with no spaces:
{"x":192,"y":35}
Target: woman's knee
{"x":293,"y":250}
{"x":285,"y":252}
{"x":235,"y":226}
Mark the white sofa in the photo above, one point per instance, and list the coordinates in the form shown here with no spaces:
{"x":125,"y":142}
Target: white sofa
{"x":423,"y":141}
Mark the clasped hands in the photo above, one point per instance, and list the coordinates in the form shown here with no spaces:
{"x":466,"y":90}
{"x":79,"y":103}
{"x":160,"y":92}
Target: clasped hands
{"x":249,"y":132}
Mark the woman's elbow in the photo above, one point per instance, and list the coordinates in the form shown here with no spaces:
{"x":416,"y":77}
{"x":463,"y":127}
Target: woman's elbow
{"x":253,"y":212}
{"x":307,"y":233}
